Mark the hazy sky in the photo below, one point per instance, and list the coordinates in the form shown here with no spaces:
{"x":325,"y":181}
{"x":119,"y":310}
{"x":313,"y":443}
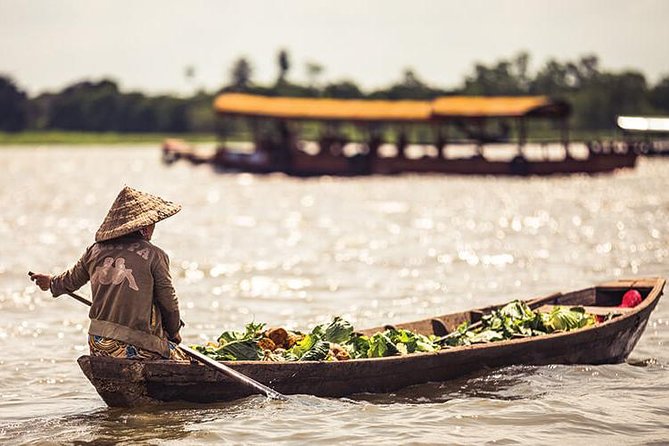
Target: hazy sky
{"x":146,"y":45}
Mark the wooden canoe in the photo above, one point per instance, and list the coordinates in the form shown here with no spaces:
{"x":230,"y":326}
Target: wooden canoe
{"x":126,"y":383}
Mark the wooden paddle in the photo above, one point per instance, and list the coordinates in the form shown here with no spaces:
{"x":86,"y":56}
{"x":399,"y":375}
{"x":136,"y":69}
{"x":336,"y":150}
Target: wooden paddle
{"x":232,"y":373}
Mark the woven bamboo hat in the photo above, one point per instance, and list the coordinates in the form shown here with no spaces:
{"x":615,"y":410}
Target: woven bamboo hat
{"x":131,"y":211}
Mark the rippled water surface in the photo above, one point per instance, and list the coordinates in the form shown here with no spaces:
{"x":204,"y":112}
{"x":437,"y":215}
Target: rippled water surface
{"x":295,"y":252}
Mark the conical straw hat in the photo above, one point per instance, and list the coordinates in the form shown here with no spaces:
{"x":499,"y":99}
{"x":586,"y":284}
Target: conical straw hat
{"x":131,"y":211}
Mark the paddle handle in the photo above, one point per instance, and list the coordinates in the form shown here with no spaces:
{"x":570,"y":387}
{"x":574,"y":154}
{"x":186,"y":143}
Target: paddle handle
{"x":80,"y":299}
{"x":72,"y":295}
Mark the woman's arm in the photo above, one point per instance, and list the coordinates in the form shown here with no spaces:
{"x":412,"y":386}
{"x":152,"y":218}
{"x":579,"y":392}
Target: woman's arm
{"x":166,"y":297}
{"x":71,"y":280}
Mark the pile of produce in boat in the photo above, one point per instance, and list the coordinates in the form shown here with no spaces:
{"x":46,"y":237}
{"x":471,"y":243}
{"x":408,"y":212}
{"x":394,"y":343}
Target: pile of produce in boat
{"x":335,"y":341}
{"x":517,"y":320}
{"x":338,"y":341}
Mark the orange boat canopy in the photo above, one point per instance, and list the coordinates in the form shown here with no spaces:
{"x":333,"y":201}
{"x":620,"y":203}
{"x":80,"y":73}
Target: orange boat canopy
{"x":322,"y":109}
{"x":385,"y":110}
{"x":497,"y":106}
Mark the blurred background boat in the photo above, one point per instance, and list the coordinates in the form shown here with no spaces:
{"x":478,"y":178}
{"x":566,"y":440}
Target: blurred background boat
{"x":346,"y":137}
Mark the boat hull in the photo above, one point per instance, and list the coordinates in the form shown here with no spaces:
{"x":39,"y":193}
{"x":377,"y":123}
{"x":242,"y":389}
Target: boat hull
{"x":308,"y":166}
{"x":304,"y":165}
{"x":128,"y":383}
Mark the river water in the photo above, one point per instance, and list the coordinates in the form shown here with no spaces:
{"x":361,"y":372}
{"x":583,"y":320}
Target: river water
{"x":295,"y":252}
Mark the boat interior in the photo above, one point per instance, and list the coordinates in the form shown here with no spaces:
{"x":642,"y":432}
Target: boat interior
{"x":599,"y":300}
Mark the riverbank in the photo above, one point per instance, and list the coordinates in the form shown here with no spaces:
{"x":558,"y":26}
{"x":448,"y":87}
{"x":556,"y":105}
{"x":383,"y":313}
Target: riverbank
{"x":78,"y":138}
{"x":32,"y":137}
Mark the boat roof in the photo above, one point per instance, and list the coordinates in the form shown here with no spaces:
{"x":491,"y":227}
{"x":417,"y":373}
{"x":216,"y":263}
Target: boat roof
{"x":497,"y":106}
{"x":322,"y":109}
{"x":644,"y":123}
{"x":241,"y":104}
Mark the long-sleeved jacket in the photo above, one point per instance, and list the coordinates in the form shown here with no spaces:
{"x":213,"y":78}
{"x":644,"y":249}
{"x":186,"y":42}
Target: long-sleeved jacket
{"x":133,"y":297}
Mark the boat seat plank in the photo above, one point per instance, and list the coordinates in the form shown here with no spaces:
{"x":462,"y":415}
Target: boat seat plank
{"x":631,"y":283}
{"x":598,"y":311}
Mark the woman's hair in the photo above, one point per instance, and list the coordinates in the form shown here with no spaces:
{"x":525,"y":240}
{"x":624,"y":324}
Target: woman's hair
{"x":132,"y":235}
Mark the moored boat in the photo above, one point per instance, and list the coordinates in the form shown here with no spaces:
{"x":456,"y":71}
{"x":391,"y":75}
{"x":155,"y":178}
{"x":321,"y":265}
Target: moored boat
{"x":638,"y":135}
{"x":126,"y":383}
{"x":348,"y":137}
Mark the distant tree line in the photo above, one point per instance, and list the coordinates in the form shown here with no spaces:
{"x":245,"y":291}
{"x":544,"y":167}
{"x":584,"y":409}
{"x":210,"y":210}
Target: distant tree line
{"x":597,"y":96}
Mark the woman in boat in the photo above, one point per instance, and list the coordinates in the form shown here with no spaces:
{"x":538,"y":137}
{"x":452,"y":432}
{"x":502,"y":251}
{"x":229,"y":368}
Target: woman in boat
{"x":135,"y":311}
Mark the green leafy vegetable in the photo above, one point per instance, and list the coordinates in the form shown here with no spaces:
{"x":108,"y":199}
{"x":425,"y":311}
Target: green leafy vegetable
{"x":304,"y":345}
{"x":412,"y":342}
{"x":317,"y":352}
{"x":252,"y":331}
{"x":358,"y":346}
{"x":516,"y":319}
{"x":563,"y":318}
{"x":338,"y":331}
{"x":486,"y":336}
{"x":246,"y":350}
{"x":380,"y":345}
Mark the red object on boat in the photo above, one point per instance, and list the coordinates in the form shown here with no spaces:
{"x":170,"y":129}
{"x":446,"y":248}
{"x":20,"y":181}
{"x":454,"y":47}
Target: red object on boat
{"x":631,"y":299}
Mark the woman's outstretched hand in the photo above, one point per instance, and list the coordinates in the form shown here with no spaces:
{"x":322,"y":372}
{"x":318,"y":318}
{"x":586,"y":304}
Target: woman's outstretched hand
{"x":42,"y":280}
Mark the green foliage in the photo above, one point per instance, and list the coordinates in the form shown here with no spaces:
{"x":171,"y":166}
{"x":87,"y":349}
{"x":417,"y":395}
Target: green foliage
{"x":565,"y":319}
{"x":13,"y":106}
{"x":604,"y":96}
{"x":90,"y":106}
{"x":380,"y":345}
{"x":315,"y":346}
{"x":79,"y":138}
{"x":240,"y":75}
{"x":597,"y":96}
{"x":505,"y":78}
{"x":240,"y":350}
{"x":343,"y":90}
{"x":304,"y":345}
{"x":456,"y":337}
{"x":285,"y":88}
{"x":317,"y":352}
{"x":410,"y":87}
{"x":410,"y":342}
{"x":326,"y":342}
{"x":102,"y":107}
{"x":516,"y":320}
{"x":236,"y":345}
{"x":252,"y":331}
{"x":659,"y":95}
{"x":358,"y":346}
{"x":338,"y":331}
{"x":284,"y":65}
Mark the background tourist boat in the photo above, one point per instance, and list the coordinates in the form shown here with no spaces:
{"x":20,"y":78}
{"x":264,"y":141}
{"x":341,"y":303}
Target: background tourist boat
{"x":317,"y":136}
{"x":645,"y":135}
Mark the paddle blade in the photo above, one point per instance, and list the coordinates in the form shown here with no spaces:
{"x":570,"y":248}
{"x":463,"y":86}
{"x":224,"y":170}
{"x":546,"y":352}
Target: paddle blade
{"x":234,"y":374}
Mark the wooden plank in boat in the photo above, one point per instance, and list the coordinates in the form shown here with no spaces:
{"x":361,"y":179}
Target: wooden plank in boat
{"x":598,"y":311}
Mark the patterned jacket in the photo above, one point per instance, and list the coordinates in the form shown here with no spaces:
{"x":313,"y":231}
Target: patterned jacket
{"x":133,"y":297}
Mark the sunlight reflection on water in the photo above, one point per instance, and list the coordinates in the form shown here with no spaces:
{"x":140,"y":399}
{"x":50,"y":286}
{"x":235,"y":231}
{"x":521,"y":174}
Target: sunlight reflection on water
{"x":295,"y":252}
